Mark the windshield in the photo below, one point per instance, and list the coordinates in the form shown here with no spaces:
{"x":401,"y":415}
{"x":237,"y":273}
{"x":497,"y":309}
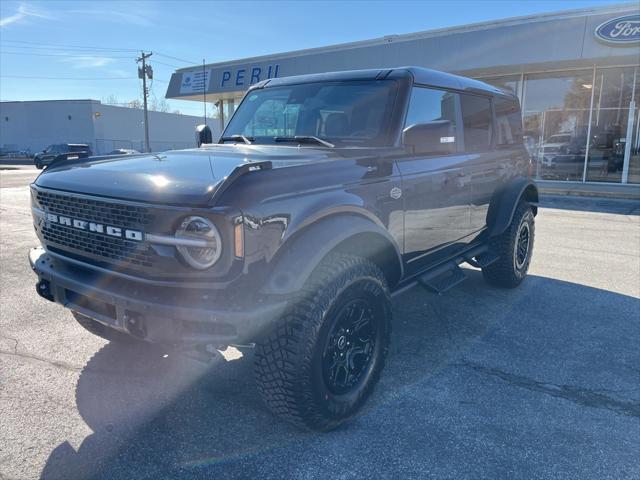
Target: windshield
{"x":343,"y":113}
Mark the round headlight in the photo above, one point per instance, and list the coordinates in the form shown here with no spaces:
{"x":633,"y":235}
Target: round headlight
{"x":198,"y":241}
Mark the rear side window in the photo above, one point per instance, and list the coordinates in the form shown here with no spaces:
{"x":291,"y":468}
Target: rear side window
{"x":429,"y":105}
{"x":508,"y":122}
{"x":476,"y":118}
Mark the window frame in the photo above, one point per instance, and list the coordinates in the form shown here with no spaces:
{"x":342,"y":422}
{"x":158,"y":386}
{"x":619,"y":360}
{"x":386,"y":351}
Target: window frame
{"x":458,"y":119}
{"x":492,"y":124}
{"x":506,"y":146}
{"x":460,"y":132}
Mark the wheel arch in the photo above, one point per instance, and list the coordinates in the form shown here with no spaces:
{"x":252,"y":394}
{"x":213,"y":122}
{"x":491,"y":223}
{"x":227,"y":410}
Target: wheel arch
{"x":350,"y":234}
{"x":505,"y":201}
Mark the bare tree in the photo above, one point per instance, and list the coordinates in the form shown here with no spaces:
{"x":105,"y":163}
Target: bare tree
{"x":111,"y":100}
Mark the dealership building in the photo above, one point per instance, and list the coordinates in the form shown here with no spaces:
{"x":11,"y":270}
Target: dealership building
{"x":576,"y":73}
{"x":30,"y":126}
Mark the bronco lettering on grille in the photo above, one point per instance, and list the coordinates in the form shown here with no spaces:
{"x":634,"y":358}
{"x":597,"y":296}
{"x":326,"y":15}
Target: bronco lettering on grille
{"x":95,"y":227}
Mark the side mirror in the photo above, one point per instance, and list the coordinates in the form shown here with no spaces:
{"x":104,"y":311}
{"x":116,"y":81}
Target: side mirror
{"x":203,"y":135}
{"x":437,"y":137}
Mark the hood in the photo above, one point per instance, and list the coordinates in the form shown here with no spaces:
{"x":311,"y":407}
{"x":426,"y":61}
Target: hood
{"x":183,"y":177}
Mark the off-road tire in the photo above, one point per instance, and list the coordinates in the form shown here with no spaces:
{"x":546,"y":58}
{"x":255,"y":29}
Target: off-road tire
{"x":96,"y":328}
{"x":289,"y":361}
{"x":507,"y":272}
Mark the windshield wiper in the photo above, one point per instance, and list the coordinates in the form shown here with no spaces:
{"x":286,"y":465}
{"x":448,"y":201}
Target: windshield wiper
{"x":236,"y":138}
{"x":303,"y":139}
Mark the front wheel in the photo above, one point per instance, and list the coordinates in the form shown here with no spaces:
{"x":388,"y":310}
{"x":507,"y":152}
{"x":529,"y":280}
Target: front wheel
{"x":514,"y":248}
{"x":322,"y":361}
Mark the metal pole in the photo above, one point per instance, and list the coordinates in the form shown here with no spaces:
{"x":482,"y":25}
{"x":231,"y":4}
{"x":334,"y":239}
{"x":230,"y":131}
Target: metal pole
{"x":629,"y":136}
{"x":221,"y":114}
{"x":586,"y":152}
{"x":143,"y":58}
{"x":204,"y":91}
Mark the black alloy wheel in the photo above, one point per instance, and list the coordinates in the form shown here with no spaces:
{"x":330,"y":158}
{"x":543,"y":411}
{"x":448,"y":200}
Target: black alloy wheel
{"x":349,"y":347}
{"x":321,"y":362}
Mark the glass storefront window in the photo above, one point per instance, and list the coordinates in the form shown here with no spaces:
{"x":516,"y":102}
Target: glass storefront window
{"x":556,"y":119}
{"x":558,"y":90}
{"x":609,"y":123}
{"x":510,"y":83}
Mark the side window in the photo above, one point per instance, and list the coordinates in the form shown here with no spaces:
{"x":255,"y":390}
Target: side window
{"x":476,"y":117}
{"x":429,"y":105}
{"x":508,"y":122}
{"x":432,"y":106}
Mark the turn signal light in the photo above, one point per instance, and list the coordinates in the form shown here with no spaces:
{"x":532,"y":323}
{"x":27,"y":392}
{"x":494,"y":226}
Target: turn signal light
{"x":238,"y":240}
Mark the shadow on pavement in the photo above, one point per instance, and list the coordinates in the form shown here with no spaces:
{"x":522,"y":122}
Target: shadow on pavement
{"x":170,"y":417}
{"x":591,"y":204}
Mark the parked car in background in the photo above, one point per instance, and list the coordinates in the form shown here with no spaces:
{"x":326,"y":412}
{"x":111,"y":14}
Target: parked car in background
{"x":59,"y":151}
{"x":123,"y":151}
{"x":13,"y":153}
{"x":561,"y":156}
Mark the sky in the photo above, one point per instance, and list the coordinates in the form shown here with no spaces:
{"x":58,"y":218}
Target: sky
{"x":87,"y":49}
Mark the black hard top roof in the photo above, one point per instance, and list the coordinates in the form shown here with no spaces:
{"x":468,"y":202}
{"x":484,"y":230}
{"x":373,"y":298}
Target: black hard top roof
{"x":420,"y":75}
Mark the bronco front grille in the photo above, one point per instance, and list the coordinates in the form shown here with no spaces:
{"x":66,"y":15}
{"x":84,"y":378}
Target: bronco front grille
{"x":94,"y":246}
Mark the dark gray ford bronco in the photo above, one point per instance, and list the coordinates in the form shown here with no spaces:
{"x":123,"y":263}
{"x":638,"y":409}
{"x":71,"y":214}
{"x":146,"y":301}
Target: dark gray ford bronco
{"x":325,"y":195}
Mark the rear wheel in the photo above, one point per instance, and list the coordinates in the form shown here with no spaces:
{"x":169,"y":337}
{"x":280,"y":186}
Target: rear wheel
{"x":514,"y":248}
{"x":321,"y":363}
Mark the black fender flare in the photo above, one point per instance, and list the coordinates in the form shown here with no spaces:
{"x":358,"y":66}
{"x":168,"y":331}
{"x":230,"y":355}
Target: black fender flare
{"x":304,"y":250}
{"x":504,"y":202}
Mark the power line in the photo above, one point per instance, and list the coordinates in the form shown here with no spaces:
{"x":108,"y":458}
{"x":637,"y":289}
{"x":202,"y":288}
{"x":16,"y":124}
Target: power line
{"x":71,"y":46}
{"x":58,"y":46}
{"x":67,"y":78}
{"x":176,"y":58}
{"x":155,"y":62}
{"x":63,"y":49}
{"x":59,"y":55}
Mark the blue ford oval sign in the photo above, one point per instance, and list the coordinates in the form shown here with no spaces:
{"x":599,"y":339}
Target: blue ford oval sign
{"x":620,"y":31}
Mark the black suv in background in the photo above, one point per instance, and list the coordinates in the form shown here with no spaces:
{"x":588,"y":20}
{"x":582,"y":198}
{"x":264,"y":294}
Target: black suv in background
{"x":325,"y":195}
{"x":61,"y":151}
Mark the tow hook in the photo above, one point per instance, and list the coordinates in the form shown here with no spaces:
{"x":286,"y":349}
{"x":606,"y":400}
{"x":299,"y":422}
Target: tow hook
{"x":135,"y":325}
{"x":43,"y":287}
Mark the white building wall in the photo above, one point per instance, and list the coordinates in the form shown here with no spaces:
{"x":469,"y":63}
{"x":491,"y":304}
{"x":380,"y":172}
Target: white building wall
{"x":34,"y":125}
{"x":119,"y":127}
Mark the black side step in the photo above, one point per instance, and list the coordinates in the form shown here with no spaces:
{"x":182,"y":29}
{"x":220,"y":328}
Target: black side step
{"x":442,"y":279}
{"x":482,"y":260}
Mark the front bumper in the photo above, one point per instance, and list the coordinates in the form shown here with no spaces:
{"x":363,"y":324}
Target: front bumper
{"x":166,"y":315}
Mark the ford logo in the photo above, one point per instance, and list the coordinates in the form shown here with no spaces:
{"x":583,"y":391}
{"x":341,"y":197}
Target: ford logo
{"x":620,"y":31}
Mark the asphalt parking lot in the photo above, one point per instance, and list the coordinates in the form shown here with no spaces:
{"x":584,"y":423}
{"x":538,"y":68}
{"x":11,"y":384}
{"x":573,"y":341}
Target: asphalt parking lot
{"x":538,"y":382}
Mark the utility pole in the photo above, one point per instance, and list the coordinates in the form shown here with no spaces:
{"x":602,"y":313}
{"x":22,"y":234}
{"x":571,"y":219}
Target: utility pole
{"x":144,"y":72}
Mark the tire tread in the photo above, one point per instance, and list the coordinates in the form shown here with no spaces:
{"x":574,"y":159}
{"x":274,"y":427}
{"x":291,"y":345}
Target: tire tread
{"x":282,"y":361}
